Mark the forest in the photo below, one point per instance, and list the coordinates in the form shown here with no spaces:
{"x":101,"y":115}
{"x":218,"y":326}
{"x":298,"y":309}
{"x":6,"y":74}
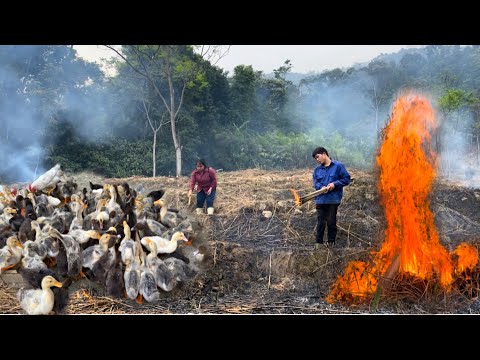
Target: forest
{"x":168,"y":105}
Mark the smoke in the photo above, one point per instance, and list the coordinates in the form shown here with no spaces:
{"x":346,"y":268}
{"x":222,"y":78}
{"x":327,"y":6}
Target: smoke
{"x":458,"y":149}
{"x":20,"y":147}
{"x":39,"y":84}
{"x":344,"y":109}
{"x":347,"y":114}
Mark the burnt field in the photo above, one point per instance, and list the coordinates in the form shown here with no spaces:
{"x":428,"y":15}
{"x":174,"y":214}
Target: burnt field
{"x":260,"y":257}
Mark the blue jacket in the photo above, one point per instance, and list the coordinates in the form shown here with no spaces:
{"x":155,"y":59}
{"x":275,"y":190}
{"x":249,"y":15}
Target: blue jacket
{"x":322,"y":176}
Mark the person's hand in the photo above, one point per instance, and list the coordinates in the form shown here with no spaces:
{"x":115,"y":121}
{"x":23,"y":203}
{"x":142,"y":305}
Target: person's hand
{"x":195,"y":187}
{"x":209,"y":191}
{"x":190,"y":193}
{"x":330,"y":187}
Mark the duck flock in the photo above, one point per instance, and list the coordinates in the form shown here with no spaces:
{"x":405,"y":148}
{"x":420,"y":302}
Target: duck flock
{"x":53,"y":234}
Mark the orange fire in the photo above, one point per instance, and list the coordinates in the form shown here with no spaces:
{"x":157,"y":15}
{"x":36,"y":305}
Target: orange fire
{"x":467,"y":257}
{"x":407,"y":166}
{"x":296,"y":196}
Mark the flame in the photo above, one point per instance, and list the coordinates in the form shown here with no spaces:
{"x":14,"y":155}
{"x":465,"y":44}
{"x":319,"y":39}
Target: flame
{"x":296,"y":196}
{"x":407,"y":166}
{"x":467,"y":257}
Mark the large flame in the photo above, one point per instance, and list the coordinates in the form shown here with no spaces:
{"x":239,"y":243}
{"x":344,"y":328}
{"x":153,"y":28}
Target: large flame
{"x":407,"y":166}
{"x":407,"y":170}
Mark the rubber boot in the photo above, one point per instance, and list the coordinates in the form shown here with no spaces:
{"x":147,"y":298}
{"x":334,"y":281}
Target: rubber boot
{"x":210,"y":211}
{"x":199,"y":211}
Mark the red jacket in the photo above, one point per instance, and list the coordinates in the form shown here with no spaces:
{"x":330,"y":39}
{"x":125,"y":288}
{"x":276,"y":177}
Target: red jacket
{"x":205,"y":179}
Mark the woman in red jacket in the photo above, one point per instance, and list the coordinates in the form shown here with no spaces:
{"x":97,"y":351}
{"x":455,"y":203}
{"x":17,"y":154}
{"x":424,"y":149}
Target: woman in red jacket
{"x":204,"y":181}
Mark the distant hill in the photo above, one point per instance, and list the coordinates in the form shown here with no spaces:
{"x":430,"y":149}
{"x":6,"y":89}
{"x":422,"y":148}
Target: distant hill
{"x":397,"y":56}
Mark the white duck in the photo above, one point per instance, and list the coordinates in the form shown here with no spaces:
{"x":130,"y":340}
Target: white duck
{"x":163,"y":245}
{"x":82,"y":236}
{"x":48,"y":180}
{"x":10,"y":254}
{"x":39,"y":301}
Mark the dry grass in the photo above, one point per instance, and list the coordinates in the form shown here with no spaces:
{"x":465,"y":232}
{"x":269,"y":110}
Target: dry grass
{"x":259,"y":264}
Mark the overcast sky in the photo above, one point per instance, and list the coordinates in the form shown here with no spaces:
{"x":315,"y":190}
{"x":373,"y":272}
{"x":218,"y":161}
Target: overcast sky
{"x":304,"y":58}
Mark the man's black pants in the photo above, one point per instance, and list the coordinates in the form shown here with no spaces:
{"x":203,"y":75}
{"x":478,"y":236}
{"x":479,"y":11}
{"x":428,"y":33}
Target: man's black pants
{"x":327,"y":215}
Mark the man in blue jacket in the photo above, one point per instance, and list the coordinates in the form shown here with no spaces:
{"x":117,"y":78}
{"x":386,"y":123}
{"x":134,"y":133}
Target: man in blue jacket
{"x":332,"y":176}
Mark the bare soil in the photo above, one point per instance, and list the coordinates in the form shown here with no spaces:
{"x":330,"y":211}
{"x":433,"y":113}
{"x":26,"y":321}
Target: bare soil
{"x":261,"y":264}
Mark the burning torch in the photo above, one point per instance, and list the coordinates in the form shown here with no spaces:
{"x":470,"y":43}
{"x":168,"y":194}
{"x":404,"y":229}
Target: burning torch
{"x":300,"y":200}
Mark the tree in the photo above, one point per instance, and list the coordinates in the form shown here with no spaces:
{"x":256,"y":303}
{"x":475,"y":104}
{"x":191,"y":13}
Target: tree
{"x":243,"y":90}
{"x":170,"y":69}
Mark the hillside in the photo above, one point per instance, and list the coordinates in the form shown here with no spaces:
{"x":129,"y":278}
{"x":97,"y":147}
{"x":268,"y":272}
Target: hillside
{"x":258,"y":263}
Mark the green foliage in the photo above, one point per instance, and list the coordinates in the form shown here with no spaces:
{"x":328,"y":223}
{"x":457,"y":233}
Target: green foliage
{"x":243,"y":121}
{"x":454,"y":99}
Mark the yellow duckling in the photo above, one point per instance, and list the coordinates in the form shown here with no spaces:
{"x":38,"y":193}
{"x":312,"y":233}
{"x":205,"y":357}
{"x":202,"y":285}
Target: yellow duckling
{"x":39,"y":301}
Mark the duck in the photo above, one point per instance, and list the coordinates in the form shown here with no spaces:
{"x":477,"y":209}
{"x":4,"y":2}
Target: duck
{"x":113,"y":204}
{"x":42,"y":237}
{"x":48,"y":180}
{"x":127,"y":246}
{"x":148,"y":283}
{"x":83,"y":236}
{"x":131,"y":277}
{"x":94,"y":215}
{"x":39,"y":301}
{"x":6,"y":215}
{"x":114,"y":282}
{"x":77,"y":207}
{"x":72,"y":251}
{"x":34,"y":278}
{"x":34,"y":248}
{"x":26,"y":232}
{"x":168,"y":218}
{"x":163,"y":245}
{"x":100,"y":268}
{"x":179,"y":269}
{"x":10,"y":254}
{"x":60,"y":219}
{"x":93,"y":253}
{"x":150,"y":227}
{"x":156,"y":194}
{"x":164,"y":278}
{"x":95,"y":186}
{"x":33,"y":262}
{"x":144,"y":208}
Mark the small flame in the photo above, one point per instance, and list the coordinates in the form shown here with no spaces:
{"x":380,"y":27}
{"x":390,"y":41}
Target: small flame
{"x":296,"y":196}
{"x":467,"y":257}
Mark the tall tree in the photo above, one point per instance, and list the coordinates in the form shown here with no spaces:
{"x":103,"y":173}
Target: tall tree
{"x":170,"y":69}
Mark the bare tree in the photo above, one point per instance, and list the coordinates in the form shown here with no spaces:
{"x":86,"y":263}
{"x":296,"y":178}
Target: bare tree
{"x":155,"y":126}
{"x":169,"y":72}
{"x":212,"y":53}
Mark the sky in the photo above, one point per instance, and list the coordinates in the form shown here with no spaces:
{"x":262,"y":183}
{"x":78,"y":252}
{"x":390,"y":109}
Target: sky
{"x":304,"y":58}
